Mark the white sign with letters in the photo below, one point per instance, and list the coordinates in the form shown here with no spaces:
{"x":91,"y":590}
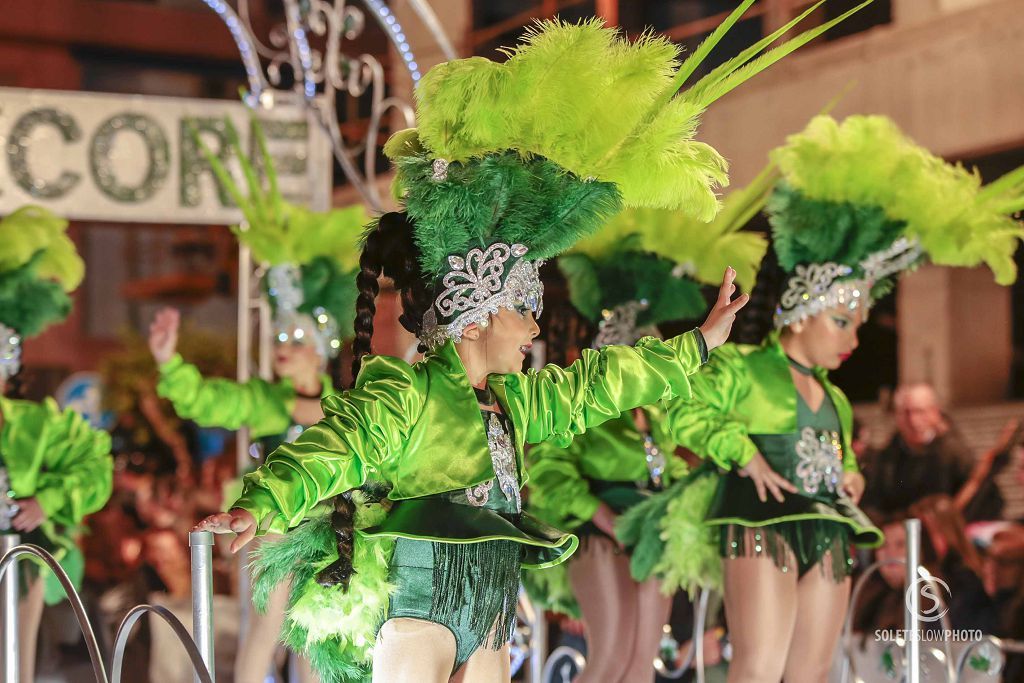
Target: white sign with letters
{"x":95,"y":156}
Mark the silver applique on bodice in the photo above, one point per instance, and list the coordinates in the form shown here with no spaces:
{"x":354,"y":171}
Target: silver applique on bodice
{"x":820,"y":460}
{"x":655,"y":459}
{"x":503,"y":457}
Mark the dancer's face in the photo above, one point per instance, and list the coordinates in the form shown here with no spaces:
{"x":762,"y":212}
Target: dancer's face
{"x":827,"y":339}
{"x":296,"y":361}
{"x":504,"y":343}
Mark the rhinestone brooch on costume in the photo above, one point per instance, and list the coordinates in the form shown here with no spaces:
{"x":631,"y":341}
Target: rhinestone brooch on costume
{"x":820,"y":460}
{"x":655,"y":459}
{"x":503,"y":458}
{"x":476,"y":287}
{"x":479,"y":495}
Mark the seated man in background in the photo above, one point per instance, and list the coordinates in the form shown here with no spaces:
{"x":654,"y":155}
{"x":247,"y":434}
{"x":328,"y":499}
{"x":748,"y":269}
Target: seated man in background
{"x":926,"y":455}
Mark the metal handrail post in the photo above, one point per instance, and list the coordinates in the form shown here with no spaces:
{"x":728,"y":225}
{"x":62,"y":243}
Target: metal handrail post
{"x":201,"y":545}
{"x":912,"y":615}
{"x":9,"y":611}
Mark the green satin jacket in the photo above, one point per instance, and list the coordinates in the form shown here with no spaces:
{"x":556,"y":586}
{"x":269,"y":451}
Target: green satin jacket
{"x":559,"y":477}
{"x":418,"y":428}
{"x":264,"y":407}
{"x":743,"y":390}
{"x":58,"y":458}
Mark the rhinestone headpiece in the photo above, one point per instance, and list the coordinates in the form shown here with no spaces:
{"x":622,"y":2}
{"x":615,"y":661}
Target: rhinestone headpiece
{"x":10,"y":352}
{"x":816,"y":287}
{"x":477,"y":286}
{"x":618,"y":327}
{"x":284,"y":285}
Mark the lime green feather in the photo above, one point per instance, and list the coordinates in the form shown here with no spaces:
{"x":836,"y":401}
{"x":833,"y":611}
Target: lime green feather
{"x":551,"y":589}
{"x":690,"y":559}
{"x":664,"y":257}
{"x":867,"y":164}
{"x":597,"y":105}
{"x":667,"y":536}
{"x":33,"y":232}
{"x":278,"y":231}
{"x":335,"y":627}
{"x":39,"y":265}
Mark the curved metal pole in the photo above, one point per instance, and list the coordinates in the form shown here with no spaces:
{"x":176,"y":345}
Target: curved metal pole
{"x":961,"y":662}
{"x":549,"y":667}
{"x":426,"y":14}
{"x":246,"y":49}
{"x":858,"y":588}
{"x":9,"y":610}
{"x":11,"y":556}
{"x":696,"y":650}
{"x":202,"y":674}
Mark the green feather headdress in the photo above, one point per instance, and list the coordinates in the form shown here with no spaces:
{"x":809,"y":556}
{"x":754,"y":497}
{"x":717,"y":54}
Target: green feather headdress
{"x":647,"y":266}
{"x":541,"y":150}
{"x":39,"y":266}
{"x":313,"y":256}
{"x":859,"y":202}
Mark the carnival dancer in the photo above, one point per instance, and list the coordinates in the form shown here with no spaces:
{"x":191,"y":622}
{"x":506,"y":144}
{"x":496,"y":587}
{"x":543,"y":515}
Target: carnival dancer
{"x":857,"y":204}
{"x":511,"y":164}
{"x":54,"y":467}
{"x":311,"y":260}
{"x":645,"y":268}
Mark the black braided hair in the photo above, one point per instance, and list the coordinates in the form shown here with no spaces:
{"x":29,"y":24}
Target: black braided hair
{"x":389,"y":250}
{"x":343,"y":521}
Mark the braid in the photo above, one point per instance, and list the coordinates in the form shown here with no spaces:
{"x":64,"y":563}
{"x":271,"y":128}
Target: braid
{"x":369,"y":271}
{"x":389,"y":250}
{"x":340,"y":571}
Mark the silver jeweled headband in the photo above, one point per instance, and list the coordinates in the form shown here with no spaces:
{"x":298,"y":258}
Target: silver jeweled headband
{"x":477,"y":286}
{"x":284,"y":284}
{"x":816,"y":287}
{"x":10,"y":352}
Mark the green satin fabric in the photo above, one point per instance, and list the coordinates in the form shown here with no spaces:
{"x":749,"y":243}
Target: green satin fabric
{"x":418,"y":428}
{"x":59,"y":459}
{"x":746,"y":390}
{"x":434,"y":519}
{"x":560,"y":489}
{"x":264,"y":407}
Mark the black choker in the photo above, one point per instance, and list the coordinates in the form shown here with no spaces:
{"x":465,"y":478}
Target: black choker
{"x":799,"y":367}
{"x":318,"y":395}
{"x":485,"y":396}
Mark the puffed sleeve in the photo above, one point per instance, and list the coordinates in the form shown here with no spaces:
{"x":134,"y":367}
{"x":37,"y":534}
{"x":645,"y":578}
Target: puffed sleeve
{"x":361,"y":429}
{"x":77,"y":479}
{"x":559,"y":403}
{"x":705,"y":423}
{"x":559,"y":494}
{"x":217,"y":402}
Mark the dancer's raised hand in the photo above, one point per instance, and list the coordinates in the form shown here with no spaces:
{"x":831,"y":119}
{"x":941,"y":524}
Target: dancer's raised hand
{"x":235,"y":521}
{"x":163,"y":334}
{"x":718,"y":325}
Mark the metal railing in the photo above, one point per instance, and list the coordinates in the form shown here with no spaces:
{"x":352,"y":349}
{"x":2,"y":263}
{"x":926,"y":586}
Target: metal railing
{"x":201,"y":655}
